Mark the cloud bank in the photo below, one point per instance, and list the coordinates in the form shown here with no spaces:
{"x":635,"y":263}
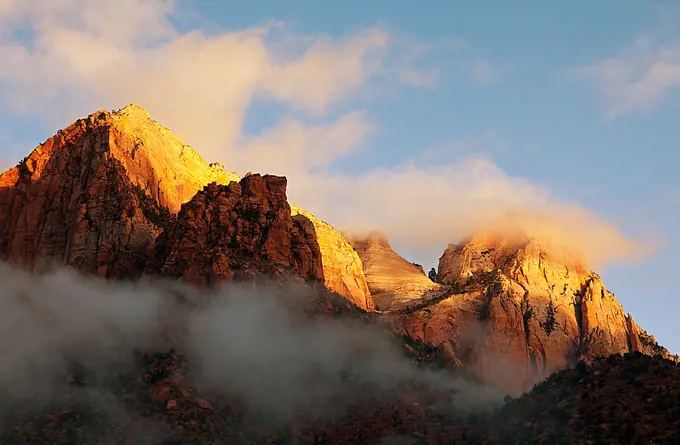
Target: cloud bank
{"x":244,"y":341}
{"x":62,"y":60}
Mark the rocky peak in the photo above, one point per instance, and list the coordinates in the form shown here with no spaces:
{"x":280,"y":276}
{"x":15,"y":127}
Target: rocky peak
{"x":238,"y":230}
{"x":96,"y":195}
{"x":392,"y":280}
{"x":523,"y":259}
{"x":521,"y":306}
{"x":160,"y":162}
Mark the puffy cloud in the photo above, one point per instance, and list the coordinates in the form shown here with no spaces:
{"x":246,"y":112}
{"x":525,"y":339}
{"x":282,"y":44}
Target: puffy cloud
{"x":82,"y":55}
{"x":294,"y":148}
{"x":199,"y":85}
{"x":422,"y":209}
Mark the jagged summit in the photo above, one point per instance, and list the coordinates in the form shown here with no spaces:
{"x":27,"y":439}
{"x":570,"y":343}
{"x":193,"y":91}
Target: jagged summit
{"x":98,"y":194}
{"x":154,"y":158}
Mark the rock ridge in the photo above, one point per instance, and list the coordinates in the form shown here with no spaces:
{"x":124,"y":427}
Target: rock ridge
{"x":235,"y":231}
{"x":98,"y":194}
{"x":518,"y":312}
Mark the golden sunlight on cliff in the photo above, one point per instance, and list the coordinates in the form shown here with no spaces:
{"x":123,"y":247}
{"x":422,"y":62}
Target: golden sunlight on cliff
{"x":159,"y":161}
{"x":342,"y":267}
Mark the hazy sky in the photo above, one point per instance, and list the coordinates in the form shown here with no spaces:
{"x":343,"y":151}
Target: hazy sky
{"x":419,"y":118}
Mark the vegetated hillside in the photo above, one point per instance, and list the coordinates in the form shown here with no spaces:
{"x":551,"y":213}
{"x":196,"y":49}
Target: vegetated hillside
{"x":631,"y":398}
{"x":621,"y":399}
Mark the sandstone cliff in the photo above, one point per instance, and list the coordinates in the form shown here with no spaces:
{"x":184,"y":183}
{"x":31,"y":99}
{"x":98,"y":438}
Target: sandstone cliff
{"x":241,"y":229}
{"x":96,"y":194}
{"x":343,"y":270}
{"x":519,"y":313}
{"x":392,"y":280}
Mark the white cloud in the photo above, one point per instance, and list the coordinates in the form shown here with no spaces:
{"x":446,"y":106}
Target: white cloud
{"x":87,"y":55}
{"x":295,"y":148}
{"x":422,"y":209}
{"x":638,"y":79}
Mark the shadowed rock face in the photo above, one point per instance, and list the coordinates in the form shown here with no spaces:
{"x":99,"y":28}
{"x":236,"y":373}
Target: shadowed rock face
{"x":392,"y":280}
{"x":238,"y":230}
{"x":517,"y":313}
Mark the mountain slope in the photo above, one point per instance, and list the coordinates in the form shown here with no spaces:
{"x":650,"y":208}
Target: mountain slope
{"x":343,"y":269}
{"x":519,"y":312}
{"x":237,"y":230}
{"x":391,"y":279}
{"x":98,"y":193}
{"x":585,"y":405}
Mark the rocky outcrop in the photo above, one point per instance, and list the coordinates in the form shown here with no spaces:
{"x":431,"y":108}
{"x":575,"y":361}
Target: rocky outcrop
{"x":248,"y":228}
{"x":518,"y":313}
{"x":238,"y":230}
{"x":97,"y":194}
{"x":392,"y":280}
{"x":343,"y":270}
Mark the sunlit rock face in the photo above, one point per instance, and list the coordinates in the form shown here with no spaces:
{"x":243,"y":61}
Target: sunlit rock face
{"x":392,"y":280}
{"x":98,"y":194}
{"x":343,"y":270}
{"x":517,"y":312}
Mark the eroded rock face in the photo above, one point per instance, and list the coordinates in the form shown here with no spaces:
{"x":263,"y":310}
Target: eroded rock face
{"x":238,"y":230}
{"x":518,"y":313}
{"x":343,"y":270}
{"x":96,"y":195}
{"x":392,"y":280}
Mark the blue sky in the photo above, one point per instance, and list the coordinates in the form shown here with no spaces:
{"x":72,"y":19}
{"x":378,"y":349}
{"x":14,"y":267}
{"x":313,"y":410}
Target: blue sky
{"x":511,"y":88}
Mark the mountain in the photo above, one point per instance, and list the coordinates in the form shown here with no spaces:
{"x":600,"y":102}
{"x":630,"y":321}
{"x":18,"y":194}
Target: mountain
{"x":118,"y":196}
{"x":392,"y":280}
{"x":98,"y":194}
{"x":518,"y":312}
{"x":239,"y":229}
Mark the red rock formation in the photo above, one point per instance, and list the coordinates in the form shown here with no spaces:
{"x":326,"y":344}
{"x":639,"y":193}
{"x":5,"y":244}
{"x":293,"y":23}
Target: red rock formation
{"x":96,"y":195}
{"x":237,"y":230}
{"x":517,"y":313}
